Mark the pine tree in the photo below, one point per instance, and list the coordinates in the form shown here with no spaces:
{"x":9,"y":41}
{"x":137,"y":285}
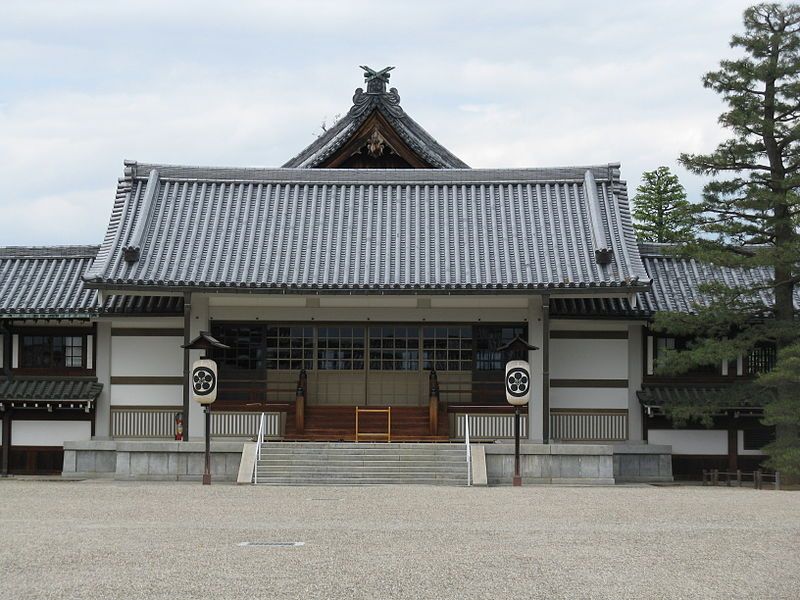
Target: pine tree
{"x":660,"y":207}
{"x":749,"y":217}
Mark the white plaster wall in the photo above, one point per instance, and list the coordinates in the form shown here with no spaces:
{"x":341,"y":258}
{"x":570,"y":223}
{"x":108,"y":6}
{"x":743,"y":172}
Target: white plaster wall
{"x":691,"y":441}
{"x":146,"y":395}
{"x":144,"y":323}
{"x":588,"y":359}
{"x":742,"y":451}
{"x":49,"y":433}
{"x":588,"y":398}
{"x":146,"y":356}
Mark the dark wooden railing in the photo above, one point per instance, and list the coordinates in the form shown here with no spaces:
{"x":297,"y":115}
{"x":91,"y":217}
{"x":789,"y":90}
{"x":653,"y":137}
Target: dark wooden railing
{"x":301,"y":394}
{"x":757,"y":478}
{"x":433,"y":403}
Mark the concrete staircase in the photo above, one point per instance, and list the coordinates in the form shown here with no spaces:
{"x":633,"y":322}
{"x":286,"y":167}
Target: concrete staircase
{"x":367,"y":463}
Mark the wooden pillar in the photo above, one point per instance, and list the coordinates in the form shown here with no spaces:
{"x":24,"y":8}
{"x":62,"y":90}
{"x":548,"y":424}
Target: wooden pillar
{"x":433,"y":403}
{"x":6,"y":442}
{"x":733,"y":444}
{"x":187,"y":322}
{"x":645,"y":423}
{"x":300,"y":403}
{"x":545,"y":369}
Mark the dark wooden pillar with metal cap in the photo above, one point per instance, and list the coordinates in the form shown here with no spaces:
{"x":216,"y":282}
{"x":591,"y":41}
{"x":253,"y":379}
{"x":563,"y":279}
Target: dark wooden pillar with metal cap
{"x":7,"y":412}
{"x":6,"y":442}
{"x":187,"y":393}
{"x":545,"y":369}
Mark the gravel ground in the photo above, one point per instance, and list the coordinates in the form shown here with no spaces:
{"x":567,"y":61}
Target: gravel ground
{"x":96,"y":539}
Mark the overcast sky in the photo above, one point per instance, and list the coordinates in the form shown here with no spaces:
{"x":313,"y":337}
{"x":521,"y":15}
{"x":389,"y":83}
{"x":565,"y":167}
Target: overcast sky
{"x":87,"y":84}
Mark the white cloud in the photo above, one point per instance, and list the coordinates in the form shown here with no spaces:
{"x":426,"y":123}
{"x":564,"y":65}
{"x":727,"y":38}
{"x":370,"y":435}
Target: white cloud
{"x":88,"y":84}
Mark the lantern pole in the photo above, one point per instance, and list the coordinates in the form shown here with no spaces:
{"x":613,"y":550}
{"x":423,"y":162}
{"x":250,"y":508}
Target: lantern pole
{"x":204,"y":386}
{"x":207,"y":472}
{"x":517,"y":481}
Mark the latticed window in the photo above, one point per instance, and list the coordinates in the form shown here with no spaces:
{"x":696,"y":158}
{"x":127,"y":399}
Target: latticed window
{"x":491,"y":337}
{"x":340,"y":348}
{"x":394,"y":348}
{"x":290,"y":347}
{"x":73,"y":351}
{"x":761,"y":359}
{"x":246,"y":346}
{"x":447,"y":348}
{"x":51,"y":351}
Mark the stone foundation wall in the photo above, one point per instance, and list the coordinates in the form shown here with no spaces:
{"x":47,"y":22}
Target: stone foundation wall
{"x":551,"y":463}
{"x":642,"y":463}
{"x":151,"y":461}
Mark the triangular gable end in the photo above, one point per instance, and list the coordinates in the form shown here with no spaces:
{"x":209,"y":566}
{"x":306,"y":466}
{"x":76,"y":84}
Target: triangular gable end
{"x":376,"y":134}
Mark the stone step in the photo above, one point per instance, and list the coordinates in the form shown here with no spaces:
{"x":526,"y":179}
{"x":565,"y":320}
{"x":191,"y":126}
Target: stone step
{"x":365,"y":454}
{"x":413,"y":473}
{"x":355,"y":481}
{"x":384,"y":445}
{"x":350,"y":463}
{"x":363,"y":463}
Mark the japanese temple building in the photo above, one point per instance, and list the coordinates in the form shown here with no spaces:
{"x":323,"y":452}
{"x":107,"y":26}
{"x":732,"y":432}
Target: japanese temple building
{"x":374,"y":269}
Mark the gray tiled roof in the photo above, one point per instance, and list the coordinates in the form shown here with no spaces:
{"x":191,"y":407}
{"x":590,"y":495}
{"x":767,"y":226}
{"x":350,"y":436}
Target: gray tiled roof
{"x":655,"y":398}
{"x":45,"y":281}
{"x":388,"y":105}
{"x":349,"y":229}
{"x":40,"y":392}
{"x":677,"y":281}
{"x":598,"y":308}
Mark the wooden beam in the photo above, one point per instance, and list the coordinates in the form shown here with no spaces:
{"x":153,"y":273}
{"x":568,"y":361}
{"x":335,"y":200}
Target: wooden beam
{"x":6,"y":442}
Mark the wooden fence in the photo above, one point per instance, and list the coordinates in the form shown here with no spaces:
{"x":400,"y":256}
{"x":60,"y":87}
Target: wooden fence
{"x":573,"y":425}
{"x":158,"y":423}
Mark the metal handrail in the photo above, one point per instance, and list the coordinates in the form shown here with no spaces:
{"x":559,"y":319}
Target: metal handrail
{"x":262,"y":424}
{"x":469,"y":451}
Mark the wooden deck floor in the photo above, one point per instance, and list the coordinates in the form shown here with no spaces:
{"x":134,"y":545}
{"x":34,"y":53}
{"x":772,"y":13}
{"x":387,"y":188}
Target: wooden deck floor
{"x":338,"y":423}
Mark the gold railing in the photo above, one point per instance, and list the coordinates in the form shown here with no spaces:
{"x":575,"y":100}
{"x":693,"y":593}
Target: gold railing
{"x":387,"y":411}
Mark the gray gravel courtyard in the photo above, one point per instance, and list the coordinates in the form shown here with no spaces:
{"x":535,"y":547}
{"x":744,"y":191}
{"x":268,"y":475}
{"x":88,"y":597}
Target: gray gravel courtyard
{"x":96,"y":539}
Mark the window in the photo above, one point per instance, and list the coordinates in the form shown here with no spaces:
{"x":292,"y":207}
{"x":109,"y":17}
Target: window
{"x":761,"y":359}
{"x":290,"y":347}
{"x":447,"y":348}
{"x":51,"y":351}
{"x":340,"y":348}
{"x":492,"y":337}
{"x":246,"y":346}
{"x":394,"y":348}
{"x":663,"y":345}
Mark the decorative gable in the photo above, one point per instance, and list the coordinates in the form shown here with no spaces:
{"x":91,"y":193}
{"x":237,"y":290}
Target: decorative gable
{"x":376,"y":134}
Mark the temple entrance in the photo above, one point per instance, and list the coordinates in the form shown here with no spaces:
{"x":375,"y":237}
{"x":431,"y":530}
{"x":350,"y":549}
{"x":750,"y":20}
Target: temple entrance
{"x":349,"y":365}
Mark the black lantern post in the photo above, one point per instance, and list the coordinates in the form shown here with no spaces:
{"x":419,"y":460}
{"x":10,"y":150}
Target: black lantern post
{"x":204,"y":386}
{"x":518,"y":391}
